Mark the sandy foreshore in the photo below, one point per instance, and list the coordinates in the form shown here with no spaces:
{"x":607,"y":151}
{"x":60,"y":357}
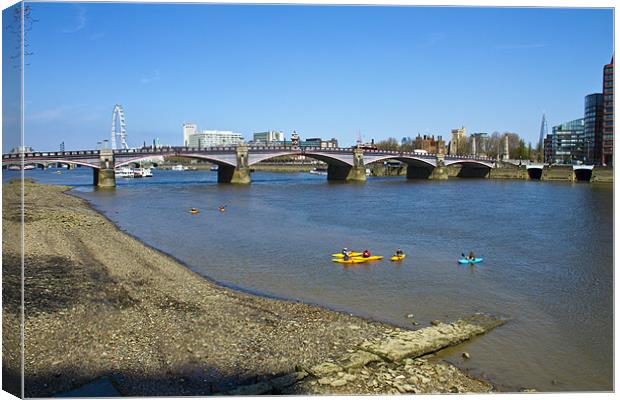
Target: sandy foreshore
{"x":99,"y":303}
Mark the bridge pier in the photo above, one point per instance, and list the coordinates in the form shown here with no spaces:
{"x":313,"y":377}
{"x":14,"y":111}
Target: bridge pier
{"x":239,"y":174}
{"x":103,"y":176}
{"x":440,"y":172}
{"x":356,"y":172}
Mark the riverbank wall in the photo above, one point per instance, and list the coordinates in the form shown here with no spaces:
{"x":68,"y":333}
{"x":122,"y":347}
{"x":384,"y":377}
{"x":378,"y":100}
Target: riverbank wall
{"x":546,"y":173}
{"x":103,"y":310}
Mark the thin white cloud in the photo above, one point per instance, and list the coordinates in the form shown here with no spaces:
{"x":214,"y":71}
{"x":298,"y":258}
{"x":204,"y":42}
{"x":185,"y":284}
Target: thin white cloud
{"x":81,"y":21}
{"x":522,"y":46}
{"x":146,"y":79}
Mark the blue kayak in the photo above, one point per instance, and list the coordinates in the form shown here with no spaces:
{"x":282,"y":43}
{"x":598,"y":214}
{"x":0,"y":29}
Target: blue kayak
{"x":473,"y":261}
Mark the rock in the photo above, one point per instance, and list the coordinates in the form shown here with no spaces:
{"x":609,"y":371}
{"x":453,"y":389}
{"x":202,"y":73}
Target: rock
{"x":412,"y":344}
{"x":250,"y":390}
{"x":358,"y":359}
{"x":435,"y":322}
{"x":466,"y":355}
{"x":325,"y":381}
{"x":287,"y":380}
{"x":349,"y":377}
{"x":324,"y":369}
{"x":409,"y":315}
{"x":338,"y":382}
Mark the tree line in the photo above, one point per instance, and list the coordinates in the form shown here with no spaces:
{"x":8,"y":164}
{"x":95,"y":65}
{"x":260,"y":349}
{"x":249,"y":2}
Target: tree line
{"x":492,"y":146}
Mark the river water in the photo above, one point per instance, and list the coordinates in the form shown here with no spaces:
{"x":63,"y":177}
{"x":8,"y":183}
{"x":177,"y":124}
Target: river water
{"x":547,"y":248}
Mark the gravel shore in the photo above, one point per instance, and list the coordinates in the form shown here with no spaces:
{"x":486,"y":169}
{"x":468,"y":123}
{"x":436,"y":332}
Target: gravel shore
{"x":99,"y":303}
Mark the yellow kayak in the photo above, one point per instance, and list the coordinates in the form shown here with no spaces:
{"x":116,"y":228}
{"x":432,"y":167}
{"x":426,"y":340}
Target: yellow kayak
{"x":351,"y":254}
{"x":349,"y":261}
{"x":398,"y":258}
{"x":371,"y":258}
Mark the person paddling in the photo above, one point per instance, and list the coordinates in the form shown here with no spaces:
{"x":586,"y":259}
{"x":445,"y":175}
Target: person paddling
{"x":366,"y":253}
{"x":345,"y":254}
{"x":399,"y":252}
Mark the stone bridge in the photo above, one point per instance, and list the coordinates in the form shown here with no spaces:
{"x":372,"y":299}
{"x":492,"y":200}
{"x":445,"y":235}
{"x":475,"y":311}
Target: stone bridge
{"x":234,"y":163}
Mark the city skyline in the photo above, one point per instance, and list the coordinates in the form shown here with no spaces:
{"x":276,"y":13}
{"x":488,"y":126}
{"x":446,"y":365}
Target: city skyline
{"x":328,"y":71}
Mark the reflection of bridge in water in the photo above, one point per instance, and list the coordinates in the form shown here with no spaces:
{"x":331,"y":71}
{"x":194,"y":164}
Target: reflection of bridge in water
{"x":234,"y":163}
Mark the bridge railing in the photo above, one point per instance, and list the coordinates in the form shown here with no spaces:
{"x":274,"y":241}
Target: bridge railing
{"x":41,"y":154}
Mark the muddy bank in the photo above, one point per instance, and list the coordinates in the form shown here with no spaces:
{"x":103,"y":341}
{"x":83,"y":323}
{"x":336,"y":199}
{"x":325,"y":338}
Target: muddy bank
{"x":101,"y":304}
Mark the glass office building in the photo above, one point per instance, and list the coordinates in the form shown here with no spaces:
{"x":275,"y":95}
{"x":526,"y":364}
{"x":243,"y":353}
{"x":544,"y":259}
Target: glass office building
{"x":608,"y":114}
{"x":567,"y":144}
{"x":593,"y":128}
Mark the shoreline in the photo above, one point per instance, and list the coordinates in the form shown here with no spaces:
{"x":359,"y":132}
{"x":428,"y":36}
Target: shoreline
{"x":230,"y":286}
{"x":125,"y":282}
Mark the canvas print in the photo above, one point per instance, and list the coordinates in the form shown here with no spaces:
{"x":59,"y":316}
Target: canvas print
{"x":204,"y":199}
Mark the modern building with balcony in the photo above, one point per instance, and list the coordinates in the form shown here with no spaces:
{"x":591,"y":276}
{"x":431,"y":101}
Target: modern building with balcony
{"x":608,"y":114}
{"x":566,"y":144}
{"x":215,"y":139}
{"x":192,"y":137}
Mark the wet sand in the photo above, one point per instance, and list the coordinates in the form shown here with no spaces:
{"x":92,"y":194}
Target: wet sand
{"x":99,"y":303}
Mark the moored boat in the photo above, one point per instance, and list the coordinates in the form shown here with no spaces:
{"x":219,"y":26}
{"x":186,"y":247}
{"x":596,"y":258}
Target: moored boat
{"x":142,"y":173}
{"x":123,"y":172}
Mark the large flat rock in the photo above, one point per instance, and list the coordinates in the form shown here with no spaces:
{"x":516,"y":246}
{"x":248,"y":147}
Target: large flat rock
{"x":411,"y":344}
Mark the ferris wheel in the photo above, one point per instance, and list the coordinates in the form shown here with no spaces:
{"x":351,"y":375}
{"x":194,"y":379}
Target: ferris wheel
{"x":118,"y":115}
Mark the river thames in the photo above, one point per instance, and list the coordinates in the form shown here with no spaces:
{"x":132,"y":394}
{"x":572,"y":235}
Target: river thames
{"x":547,"y":248}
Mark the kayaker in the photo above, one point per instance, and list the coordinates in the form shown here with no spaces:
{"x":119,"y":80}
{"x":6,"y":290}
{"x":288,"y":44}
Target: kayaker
{"x":471,"y":255}
{"x":222,"y":208}
{"x":399,"y":252}
{"x":366,"y":253}
{"x":345,"y":254}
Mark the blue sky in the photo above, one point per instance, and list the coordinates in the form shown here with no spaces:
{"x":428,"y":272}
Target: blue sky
{"x":329,"y":71}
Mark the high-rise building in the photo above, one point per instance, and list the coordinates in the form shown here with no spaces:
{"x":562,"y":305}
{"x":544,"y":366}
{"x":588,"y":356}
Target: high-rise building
{"x":544,"y":132}
{"x":608,"y":114}
{"x":593,"y":128}
{"x":567,"y":143}
{"x":188,"y":130}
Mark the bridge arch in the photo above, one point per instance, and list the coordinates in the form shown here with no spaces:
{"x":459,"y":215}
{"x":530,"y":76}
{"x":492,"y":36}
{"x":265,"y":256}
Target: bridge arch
{"x":469,"y":168}
{"x":535,"y":172}
{"x":409,"y":160}
{"x":325,"y":157}
{"x":487,"y":164}
{"x":52,"y":161}
{"x":211,"y":158}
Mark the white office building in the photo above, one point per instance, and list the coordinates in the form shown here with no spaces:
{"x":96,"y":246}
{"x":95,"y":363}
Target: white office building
{"x":214,"y":139}
{"x":188,"y":130}
{"x":268,"y":137}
